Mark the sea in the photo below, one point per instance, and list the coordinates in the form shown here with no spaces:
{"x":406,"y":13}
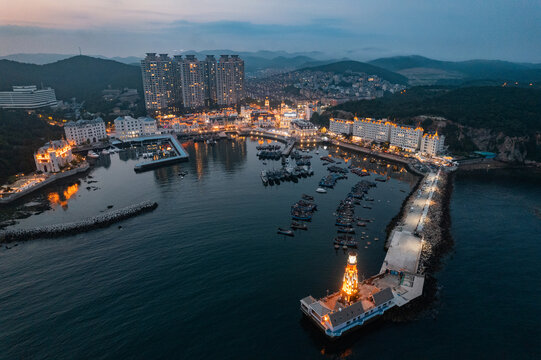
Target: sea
{"x":206,"y":276}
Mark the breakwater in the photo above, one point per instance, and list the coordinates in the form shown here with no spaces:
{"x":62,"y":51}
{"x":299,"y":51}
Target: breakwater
{"x":72,"y":228}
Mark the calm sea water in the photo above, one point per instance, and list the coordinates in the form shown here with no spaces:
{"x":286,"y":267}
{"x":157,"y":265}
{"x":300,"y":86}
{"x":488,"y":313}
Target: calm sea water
{"x":206,"y":276}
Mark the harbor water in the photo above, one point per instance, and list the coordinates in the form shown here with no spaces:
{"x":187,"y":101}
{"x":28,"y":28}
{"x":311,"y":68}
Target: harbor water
{"x":206,"y":276}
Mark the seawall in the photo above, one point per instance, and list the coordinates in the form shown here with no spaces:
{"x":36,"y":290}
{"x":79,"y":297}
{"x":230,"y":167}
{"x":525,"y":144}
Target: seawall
{"x":72,"y":228}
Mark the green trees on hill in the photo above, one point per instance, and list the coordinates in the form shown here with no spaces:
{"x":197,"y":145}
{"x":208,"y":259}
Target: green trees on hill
{"x":21,"y":135}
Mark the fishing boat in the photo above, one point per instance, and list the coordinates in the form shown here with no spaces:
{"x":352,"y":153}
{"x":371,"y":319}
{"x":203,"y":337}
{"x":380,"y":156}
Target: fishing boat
{"x":298,"y":215}
{"x":361,"y":224}
{"x":286,"y":232}
{"x":299,"y":226}
{"x":307,"y":197}
{"x":346,"y":230}
{"x":92,"y":155}
{"x":105,"y":152}
{"x":264,"y":178}
{"x":321,"y":191}
{"x":345,"y":240}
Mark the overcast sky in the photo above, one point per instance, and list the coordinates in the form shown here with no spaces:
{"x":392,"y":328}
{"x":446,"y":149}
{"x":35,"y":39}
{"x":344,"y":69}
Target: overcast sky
{"x":359,"y":29}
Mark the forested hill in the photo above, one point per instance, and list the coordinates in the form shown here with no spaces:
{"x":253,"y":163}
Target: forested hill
{"x":514,"y":111}
{"x":341,"y":67}
{"x":79,"y":76}
{"x":499,"y":119}
{"x":21,"y":135}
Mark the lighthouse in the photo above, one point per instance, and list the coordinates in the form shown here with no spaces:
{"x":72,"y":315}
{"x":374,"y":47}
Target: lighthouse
{"x":351,"y":279}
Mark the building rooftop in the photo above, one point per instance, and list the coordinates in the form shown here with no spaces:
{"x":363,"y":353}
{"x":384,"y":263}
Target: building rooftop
{"x":383,"y":296}
{"x":80,"y":123}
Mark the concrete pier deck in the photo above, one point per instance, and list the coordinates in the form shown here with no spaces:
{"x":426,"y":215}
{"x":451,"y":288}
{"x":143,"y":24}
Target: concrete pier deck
{"x":405,"y":245}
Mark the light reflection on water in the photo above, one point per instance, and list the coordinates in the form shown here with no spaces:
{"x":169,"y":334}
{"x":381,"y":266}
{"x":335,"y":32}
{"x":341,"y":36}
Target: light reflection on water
{"x":62,"y":198}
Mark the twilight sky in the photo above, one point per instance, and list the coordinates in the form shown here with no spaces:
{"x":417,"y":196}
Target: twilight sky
{"x":359,"y":29}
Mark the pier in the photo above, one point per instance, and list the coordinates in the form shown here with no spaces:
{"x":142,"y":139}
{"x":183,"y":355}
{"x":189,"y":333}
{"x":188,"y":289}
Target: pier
{"x":289,"y":147}
{"x":399,"y":281}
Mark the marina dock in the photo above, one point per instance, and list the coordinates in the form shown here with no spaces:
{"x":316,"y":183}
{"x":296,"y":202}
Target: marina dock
{"x":399,"y":281}
{"x":181,"y":154}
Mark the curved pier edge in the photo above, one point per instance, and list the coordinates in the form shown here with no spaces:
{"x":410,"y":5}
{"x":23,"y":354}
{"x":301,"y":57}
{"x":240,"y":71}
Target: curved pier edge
{"x":73,"y":228}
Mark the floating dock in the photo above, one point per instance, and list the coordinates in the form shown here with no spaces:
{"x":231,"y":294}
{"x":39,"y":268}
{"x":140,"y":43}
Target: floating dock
{"x":398,"y":282}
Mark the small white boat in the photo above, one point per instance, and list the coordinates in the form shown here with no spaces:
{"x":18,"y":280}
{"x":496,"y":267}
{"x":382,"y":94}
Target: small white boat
{"x":92,"y":154}
{"x":105,"y":152}
{"x":321,"y":190}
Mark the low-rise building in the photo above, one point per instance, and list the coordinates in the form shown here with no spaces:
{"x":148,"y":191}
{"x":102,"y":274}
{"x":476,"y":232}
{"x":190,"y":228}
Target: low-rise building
{"x":127,"y":127}
{"x":432,"y":144}
{"x":85,"y":131}
{"x":53,"y":156}
{"x":369,"y":129}
{"x":27,"y":97}
{"x":302,"y":128}
{"x":406,"y":137}
{"x":341,"y":126}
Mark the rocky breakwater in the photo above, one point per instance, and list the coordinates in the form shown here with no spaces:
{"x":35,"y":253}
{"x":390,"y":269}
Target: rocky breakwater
{"x":72,"y":228}
{"x":436,"y":233}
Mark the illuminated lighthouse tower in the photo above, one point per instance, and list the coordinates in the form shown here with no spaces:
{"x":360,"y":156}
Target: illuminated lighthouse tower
{"x":351,"y":279}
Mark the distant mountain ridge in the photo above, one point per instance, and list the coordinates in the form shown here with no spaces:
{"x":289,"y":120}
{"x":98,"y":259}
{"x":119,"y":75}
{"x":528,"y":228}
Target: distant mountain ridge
{"x":42,"y":59}
{"x":425,"y":71}
{"x":341,"y":67}
{"x":79,"y":76}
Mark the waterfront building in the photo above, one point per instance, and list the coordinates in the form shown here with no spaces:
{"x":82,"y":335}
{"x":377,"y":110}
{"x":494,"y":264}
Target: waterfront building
{"x":341,"y":126}
{"x":302,"y":128}
{"x":185,"y":126}
{"x":287,"y":117}
{"x":27,"y":97}
{"x":406,"y":137}
{"x":432,"y":144}
{"x":127,"y":127}
{"x":53,"y":156}
{"x":209,"y":80}
{"x":158,"y":82}
{"x":229,"y":80}
{"x":371,"y":129}
{"x":85,"y":131}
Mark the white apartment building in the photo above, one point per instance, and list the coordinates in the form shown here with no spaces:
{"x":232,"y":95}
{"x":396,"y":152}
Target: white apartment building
{"x":27,"y":97}
{"x":341,"y":126}
{"x":286,"y":118}
{"x":372,"y":130}
{"x":432,"y":144}
{"x":405,"y":137}
{"x":53,"y":156}
{"x":127,"y":127}
{"x":84,"y":131}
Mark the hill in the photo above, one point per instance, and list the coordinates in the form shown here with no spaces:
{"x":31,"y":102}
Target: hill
{"x":488,"y":111}
{"x":341,"y":67}
{"x":421,"y":70}
{"x":22,"y":134}
{"x":80,"y":76}
{"x":42,"y":59}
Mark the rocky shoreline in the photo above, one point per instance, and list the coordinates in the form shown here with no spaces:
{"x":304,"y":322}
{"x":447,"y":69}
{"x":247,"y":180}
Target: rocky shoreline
{"x":72,"y":228}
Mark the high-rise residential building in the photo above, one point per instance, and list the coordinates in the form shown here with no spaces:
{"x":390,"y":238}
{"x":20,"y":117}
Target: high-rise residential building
{"x":158,"y":82}
{"x":229,"y":80}
{"x":85,"y":131}
{"x":191,"y":74}
{"x":191,"y":82}
{"x":209,"y":74}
